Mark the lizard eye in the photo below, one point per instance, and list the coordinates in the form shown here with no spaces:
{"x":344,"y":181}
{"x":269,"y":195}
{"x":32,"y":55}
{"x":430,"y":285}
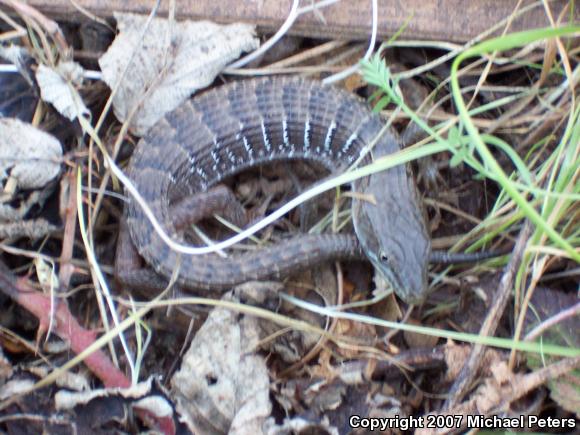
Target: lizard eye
{"x":383,"y":257}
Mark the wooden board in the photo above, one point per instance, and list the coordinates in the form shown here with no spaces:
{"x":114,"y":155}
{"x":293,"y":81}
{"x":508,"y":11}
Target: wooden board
{"x":449,"y":20}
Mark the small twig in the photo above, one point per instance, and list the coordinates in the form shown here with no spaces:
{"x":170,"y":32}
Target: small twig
{"x":68,"y":188}
{"x":472,"y":366}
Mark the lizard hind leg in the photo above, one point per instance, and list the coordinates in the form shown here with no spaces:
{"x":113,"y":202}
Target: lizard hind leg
{"x":218,"y":200}
{"x":130,"y":270}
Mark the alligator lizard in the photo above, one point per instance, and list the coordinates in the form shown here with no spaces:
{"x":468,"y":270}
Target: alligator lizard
{"x":246,"y":123}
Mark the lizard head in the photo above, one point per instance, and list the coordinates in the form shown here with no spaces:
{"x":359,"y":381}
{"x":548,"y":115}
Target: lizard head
{"x":392,"y":232}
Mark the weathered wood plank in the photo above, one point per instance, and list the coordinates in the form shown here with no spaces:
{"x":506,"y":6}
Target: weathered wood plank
{"x":450,"y":20}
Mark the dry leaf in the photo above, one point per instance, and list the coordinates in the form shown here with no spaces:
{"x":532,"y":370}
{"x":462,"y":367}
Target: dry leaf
{"x":155,"y":405}
{"x":27,"y":154}
{"x":45,"y":273}
{"x":171,"y":60}
{"x":29,"y":160}
{"x":565,"y":391}
{"x":299,"y":425}
{"x":222,"y":386}
{"x":64,"y":399}
{"x":16,"y":387}
{"x":56,"y":87}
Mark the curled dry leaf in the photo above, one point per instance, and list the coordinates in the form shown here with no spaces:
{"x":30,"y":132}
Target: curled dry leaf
{"x":29,"y":160}
{"x":98,"y":410}
{"x":299,"y":425}
{"x":65,"y":399}
{"x":73,"y":381}
{"x":15,"y":387}
{"x":57,"y":87}
{"x":169,"y":61}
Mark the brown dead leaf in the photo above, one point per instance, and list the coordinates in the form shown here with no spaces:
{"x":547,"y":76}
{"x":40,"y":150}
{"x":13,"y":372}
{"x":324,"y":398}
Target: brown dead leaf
{"x":364,"y":333}
{"x":566,"y":392}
